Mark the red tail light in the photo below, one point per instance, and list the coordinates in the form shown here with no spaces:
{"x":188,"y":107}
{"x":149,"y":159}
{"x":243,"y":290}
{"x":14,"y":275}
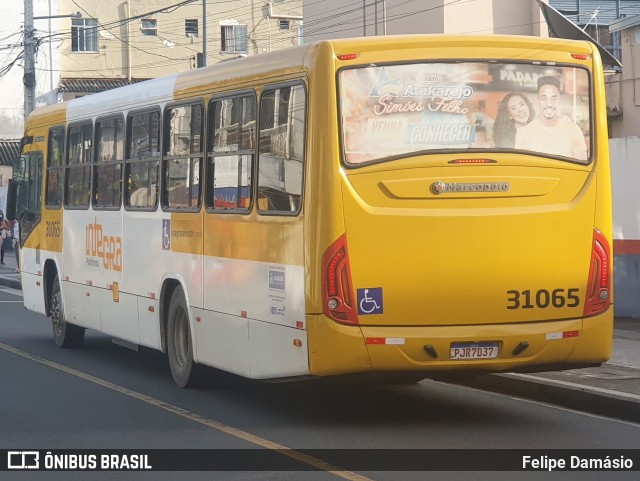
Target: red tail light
{"x":581,"y":56}
{"x":348,"y":56}
{"x":337,"y":294}
{"x":598,"y":295}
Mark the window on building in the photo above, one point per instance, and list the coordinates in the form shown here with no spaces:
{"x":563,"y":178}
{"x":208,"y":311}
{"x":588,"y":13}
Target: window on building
{"x":84,"y":35}
{"x":149,"y":26}
{"x":107,"y":169}
{"x":143,"y":160}
{"x":191,"y":27}
{"x":55,"y":167}
{"x":234,"y":38}
{"x":230,"y":153}
{"x":281,"y":150}
{"x":78,"y":166}
{"x":284,"y":24}
{"x":182,"y":159}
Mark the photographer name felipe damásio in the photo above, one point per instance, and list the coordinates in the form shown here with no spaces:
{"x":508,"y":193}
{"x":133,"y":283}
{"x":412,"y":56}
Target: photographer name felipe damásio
{"x":595,"y":463}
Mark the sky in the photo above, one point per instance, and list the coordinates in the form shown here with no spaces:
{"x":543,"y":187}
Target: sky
{"x":11,"y":87}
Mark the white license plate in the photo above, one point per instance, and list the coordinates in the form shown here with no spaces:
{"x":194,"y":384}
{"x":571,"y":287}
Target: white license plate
{"x":468,"y":350}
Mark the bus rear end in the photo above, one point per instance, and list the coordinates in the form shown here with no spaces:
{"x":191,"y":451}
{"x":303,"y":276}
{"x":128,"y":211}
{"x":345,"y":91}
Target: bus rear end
{"x":475,"y":237}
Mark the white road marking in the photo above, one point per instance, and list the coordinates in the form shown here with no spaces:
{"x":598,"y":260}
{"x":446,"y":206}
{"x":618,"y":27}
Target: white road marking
{"x":8,"y":290}
{"x":210,"y":423}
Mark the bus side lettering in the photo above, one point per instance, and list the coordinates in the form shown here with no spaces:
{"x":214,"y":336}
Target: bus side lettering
{"x":108,"y":248}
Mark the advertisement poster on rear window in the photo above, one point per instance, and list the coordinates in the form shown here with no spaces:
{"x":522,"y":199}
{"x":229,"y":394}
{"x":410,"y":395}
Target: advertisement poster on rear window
{"x":393,"y":111}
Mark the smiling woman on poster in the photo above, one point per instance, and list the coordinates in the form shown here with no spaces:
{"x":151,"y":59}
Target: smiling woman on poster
{"x":515,"y":111}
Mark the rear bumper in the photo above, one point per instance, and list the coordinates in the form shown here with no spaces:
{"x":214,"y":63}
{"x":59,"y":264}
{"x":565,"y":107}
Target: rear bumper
{"x":338,"y":349}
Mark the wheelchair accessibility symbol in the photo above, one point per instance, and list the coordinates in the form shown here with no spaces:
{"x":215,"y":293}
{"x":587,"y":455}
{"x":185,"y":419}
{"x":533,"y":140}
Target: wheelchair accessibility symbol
{"x":370,"y":301}
{"x":166,"y":234}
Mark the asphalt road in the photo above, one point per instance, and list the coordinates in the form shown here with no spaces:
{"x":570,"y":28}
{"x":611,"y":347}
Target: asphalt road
{"x":104,"y":396}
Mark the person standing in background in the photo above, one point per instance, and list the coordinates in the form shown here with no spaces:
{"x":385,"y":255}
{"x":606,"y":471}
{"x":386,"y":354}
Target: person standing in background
{"x":16,"y":243}
{"x":4,"y":233}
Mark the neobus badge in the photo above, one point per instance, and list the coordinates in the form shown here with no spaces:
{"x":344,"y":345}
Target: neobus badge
{"x":440,"y":187}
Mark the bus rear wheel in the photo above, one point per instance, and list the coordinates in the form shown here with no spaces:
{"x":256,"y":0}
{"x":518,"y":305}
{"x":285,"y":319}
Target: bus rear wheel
{"x":65,"y":335}
{"x":179,"y":342}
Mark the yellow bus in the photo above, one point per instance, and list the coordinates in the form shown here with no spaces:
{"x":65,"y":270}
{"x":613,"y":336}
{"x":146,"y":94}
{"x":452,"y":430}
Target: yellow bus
{"x":399,"y":205}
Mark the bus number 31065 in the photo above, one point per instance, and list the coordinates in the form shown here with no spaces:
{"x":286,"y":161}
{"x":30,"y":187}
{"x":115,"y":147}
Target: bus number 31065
{"x":543,"y":298}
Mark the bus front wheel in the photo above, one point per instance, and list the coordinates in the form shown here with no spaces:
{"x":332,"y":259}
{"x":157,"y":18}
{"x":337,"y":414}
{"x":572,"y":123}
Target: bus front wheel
{"x":65,"y":334}
{"x":179,"y":342}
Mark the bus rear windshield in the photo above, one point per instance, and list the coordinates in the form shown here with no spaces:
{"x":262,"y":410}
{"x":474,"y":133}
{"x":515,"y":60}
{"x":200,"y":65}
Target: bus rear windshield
{"x":391,"y":111}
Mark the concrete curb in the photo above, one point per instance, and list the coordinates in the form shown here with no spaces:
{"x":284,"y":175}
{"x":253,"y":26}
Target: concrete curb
{"x":584,"y":398}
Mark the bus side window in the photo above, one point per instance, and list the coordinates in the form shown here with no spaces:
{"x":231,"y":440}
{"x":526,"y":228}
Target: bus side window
{"x":107,"y":170}
{"x":55,"y":167}
{"x":230,"y":153}
{"x":78,"y":166}
{"x":142,"y":161}
{"x":182,"y":157}
{"x":281,"y":149}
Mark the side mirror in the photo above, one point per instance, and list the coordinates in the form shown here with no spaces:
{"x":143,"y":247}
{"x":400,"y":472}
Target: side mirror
{"x":12,"y":197}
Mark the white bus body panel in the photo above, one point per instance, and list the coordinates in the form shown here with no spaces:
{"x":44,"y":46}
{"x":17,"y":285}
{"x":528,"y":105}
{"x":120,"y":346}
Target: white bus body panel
{"x":253,"y":313}
{"x":80,"y":307}
{"x":33,"y":261}
{"x":149,"y":323}
{"x":32,"y":294}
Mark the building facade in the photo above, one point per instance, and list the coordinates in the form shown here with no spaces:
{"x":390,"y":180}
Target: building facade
{"x":623,"y":88}
{"x":114,"y":43}
{"x":337,"y":19}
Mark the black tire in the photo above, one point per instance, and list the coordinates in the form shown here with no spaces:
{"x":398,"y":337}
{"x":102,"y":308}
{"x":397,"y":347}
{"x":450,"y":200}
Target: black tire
{"x":64,"y":334}
{"x":179,"y":342}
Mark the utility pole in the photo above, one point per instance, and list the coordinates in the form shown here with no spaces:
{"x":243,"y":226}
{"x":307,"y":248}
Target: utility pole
{"x":29,"y":77}
{"x":204,"y":33}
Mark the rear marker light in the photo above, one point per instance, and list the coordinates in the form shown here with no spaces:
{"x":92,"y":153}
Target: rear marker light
{"x":472,"y":161}
{"x":348,"y":56}
{"x":389,"y":341}
{"x":581,"y":56}
{"x":551,"y":336}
